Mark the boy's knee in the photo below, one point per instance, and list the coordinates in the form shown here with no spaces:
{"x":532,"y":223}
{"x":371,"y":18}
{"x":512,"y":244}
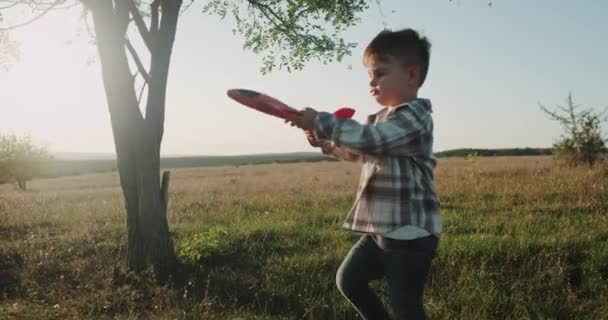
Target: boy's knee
{"x":340,"y":281}
{"x":347,"y":284}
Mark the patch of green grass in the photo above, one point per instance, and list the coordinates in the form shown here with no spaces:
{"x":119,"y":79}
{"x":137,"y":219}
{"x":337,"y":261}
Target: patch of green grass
{"x":27,"y":311}
{"x":520,"y":240}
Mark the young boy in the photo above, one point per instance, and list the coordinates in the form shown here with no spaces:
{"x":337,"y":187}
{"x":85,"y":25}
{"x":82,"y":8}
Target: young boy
{"x":396,"y":208}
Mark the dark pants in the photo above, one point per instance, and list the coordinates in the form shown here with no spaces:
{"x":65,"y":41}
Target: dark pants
{"x":404,"y":263}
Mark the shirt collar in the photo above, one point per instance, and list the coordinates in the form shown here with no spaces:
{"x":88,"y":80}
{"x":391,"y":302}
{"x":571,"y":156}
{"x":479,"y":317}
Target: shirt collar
{"x":373,"y":116}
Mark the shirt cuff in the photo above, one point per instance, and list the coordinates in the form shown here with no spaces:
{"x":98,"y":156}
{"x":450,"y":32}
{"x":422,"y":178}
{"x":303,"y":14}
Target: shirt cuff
{"x":324,"y":125}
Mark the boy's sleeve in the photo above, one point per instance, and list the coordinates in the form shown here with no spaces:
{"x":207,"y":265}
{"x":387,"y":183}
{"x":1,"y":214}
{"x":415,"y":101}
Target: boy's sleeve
{"x":340,"y":153}
{"x":395,"y":136}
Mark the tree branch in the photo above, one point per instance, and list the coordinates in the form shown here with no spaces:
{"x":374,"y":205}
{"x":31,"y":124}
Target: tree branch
{"x":37,"y":5}
{"x":45,"y":11}
{"x":571,"y":108}
{"x":141,"y":93}
{"x":267,"y":11}
{"x":10,"y":5}
{"x":553,"y":114}
{"x":159,"y":69}
{"x":140,"y":23}
{"x":185,"y":7}
{"x":121,"y":12}
{"x":137,"y":60}
{"x":302,"y":12}
{"x":154,"y":7}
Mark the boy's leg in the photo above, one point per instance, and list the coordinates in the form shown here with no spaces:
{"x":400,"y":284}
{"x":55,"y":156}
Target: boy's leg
{"x":407,"y":264}
{"x":362,"y":264}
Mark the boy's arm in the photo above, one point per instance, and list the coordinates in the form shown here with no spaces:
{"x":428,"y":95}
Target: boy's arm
{"x":329,"y":148}
{"x":396,"y":136}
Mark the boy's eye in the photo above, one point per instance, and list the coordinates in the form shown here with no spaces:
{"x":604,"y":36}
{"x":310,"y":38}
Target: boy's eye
{"x":379,"y":73}
{"x":376,"y":73}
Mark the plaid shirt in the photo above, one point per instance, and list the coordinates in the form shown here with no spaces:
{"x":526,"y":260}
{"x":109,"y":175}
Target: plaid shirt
{"x":397,"y":186}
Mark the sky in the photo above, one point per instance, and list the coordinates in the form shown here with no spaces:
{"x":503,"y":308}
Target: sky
{"x":490,"y":67}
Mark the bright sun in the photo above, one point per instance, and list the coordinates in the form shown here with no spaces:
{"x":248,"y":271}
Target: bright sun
{"x":51,"y":92}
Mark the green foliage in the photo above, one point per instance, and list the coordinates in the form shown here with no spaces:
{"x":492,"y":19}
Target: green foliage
{"x":289,"y":33}
{"x":582,"y":141}
{"x":20,"y":159}
{"x":286,"y":33}
{"x":203,"y":245}
{"x":17,"y":312}
{"x":473,"y":156}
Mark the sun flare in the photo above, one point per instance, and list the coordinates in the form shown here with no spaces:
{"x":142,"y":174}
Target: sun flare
{"x":48,"y":92}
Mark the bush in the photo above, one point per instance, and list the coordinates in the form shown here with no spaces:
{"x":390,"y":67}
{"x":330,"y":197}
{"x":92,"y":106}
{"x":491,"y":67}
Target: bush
{"x":582,"y":141}
{"x":20,"y":159}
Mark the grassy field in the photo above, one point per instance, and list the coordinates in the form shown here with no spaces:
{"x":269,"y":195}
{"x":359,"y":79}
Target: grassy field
{"x":70,"y":164}
{"x":522,"y":239}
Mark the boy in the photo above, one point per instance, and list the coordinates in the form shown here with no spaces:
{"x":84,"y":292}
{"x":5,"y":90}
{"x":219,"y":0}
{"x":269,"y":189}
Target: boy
{"x":396,"y":208}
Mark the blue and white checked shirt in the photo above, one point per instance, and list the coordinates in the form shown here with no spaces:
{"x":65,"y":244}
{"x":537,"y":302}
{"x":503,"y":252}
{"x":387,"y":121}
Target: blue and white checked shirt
{"x":396,"y":187}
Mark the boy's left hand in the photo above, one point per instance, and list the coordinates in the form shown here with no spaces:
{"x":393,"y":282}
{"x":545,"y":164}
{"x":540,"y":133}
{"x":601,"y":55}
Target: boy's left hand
{"x":304,"y":120}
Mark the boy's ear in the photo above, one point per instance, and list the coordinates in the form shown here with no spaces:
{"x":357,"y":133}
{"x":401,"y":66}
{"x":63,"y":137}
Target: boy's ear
{"x":413,"y":75}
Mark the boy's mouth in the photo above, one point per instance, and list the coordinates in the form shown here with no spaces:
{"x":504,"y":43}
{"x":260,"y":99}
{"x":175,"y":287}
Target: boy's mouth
{"x":374,"y":91}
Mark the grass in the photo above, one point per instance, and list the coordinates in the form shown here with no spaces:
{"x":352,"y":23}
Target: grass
{"x":522,"y":239}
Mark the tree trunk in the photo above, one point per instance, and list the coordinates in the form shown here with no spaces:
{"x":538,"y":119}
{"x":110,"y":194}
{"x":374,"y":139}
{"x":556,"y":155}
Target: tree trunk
{"x":137,"y":140}
{"x":22,"y":184}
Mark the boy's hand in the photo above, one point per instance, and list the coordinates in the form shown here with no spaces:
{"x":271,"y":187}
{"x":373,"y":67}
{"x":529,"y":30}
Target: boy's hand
{"x":312,"y":140}
{"x":327,"y":146}
{"x":304,"y":120}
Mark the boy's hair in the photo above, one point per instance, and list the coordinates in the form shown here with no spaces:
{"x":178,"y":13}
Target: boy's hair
{"x":405,"y":45}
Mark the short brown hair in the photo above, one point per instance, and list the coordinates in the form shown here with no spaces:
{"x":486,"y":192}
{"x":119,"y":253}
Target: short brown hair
{"x":405,"y":45}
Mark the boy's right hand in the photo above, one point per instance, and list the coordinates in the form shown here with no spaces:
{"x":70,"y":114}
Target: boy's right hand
{"x":312,"y":140}
{"x":327,"y":146}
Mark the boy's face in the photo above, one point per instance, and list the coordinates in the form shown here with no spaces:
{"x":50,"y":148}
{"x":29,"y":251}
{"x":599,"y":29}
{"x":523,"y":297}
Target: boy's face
{"x":391,"y":82}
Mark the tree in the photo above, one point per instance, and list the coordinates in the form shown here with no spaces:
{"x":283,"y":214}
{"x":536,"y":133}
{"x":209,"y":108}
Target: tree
{"x":21,"y":160}
{"x":287,"y":33}
{"x":582,"y":141}
{"x":8,"y":51}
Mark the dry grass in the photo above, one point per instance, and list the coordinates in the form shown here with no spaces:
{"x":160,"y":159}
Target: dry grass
{"x":523,"y":238}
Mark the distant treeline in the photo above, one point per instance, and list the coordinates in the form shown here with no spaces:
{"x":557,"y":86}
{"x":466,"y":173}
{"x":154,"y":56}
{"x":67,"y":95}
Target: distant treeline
{"x":495,"y":152}
{"x":58,"y":168}
{"x":75,"y":167}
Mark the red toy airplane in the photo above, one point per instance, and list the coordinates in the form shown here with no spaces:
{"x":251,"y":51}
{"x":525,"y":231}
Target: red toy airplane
{"x":274,"y":107}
